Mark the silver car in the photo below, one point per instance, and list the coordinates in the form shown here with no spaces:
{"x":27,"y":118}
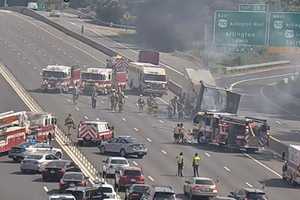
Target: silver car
{"x":124,"y":146}
{"x":112,"y":164}
{"x":200,"y":186}
{"x":36,"y":162}
{"x":44,"y":148}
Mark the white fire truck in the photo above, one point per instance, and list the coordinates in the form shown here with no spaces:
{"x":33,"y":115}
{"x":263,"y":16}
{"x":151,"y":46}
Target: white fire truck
{"x":147,"y":78}
{"x":291,"y":168}
{"x":98,"y":77}
{"x":59,"y":77}
{"x":93,"y":132}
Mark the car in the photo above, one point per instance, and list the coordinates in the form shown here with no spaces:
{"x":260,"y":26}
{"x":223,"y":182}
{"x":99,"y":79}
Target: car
{"x":18,"y":153}
{"x":136,"y":191}
{"x":127,"y":176}
{"x":123,"y":145}
{"x":82,"y":193}
{"x":72,"y":179}
{"x":36,"y":162}
{"x":54,"y":170}
{"x":62,"y":197}
{"x":249,"y":194}
{"x":44,"y":148}
{"x":112,"y":164}
{"x":200,"y":187}
{"x":108,"y":190}
{"x":160,"y":192}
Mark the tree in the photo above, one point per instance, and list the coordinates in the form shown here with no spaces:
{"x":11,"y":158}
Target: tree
{"x":110,"y":11}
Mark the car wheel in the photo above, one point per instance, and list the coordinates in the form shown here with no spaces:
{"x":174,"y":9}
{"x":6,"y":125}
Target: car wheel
{"x":123,"y":153}
{"x":99,"y":143}
{"x":58,"y":154}
{"x":102,"y":150}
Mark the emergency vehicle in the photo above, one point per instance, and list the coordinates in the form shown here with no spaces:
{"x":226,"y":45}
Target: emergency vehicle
{"x":231,"y":131}
{"x":147,"y":78}
{"x":291,"y":168}
{"x":119,"y":66}
{"x":59,"y":77}
{"x":93,"y":132}
{"x":12,"y":131}
{"x":99,"y":77}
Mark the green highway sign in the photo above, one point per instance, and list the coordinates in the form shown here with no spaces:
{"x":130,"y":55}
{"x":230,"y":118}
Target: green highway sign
{"x":233,"y":28}
{"x":253,"y":7}
{"x":284,"y":29}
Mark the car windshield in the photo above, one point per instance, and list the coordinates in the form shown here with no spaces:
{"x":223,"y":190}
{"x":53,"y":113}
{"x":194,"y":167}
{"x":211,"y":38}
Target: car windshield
{"x":92,"y":76}
{"x":54,"y":74}
{"x":119,"y":162}
{"x":131,"y":140}
{"x":105,"y":189}
{"x":57,"y":164}
{"x":73,"y":176}
{"x":256,"y":196}
{"x":204,"y":182}
{"x":164,"y":196}
{"x":132,"y":173}
{"x":34,"y":157}
{"x":140,"y":188}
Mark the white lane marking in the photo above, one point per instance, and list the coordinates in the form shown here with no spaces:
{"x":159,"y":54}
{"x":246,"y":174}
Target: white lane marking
{"x":207,"y":154}
{"x":162,"y":100}
{"x":124,"y":119}
{"x":161,"y":121}
{"x":278,"y":122}
{"x":46,"y":189}
{"x":263,"y":165}
{"x":249,"y":185}
{"x":148,"y":139}
{"x":135,"y":163}
{"x":164,"y":152}
{"x":136,"y":129}
{"x":150,"y":178}
{"x":259,"y":78}
{"x":227,"y":169}
{"x":85,"y":117}
{"x":76,"y":108}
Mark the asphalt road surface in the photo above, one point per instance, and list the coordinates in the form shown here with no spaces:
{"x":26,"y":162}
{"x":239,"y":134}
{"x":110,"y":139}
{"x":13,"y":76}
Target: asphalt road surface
{"x":27,"y":45}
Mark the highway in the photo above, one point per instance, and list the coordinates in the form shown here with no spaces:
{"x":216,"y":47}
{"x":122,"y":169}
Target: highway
{"x":27,"y":45}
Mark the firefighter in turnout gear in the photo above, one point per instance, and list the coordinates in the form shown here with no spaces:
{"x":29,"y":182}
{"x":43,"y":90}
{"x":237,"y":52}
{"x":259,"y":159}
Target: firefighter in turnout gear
{"x":94,"y":97}
{"x":69,"y":123}
{"x":141,"y":103}
{"x":121,"y":100}
{"x":195,"y":164}
{"x":113,"y":101}
{"x":180,"y":164}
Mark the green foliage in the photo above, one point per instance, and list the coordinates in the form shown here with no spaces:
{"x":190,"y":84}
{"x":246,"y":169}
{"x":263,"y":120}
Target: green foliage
{"x":110,"y":10}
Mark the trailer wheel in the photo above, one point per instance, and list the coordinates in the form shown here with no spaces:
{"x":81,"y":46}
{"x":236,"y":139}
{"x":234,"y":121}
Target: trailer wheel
{"x":99,"y":143}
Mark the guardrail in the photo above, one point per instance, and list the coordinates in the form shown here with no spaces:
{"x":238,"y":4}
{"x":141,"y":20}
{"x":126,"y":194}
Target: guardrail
{"x":65,"y":142}
{"x":255,"y":66}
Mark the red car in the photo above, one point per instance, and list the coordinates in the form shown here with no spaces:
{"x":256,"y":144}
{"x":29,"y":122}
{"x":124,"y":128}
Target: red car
{"x":127,"y":176}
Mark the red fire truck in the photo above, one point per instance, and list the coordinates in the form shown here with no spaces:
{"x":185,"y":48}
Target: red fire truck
{"x":59,"y":77}
{"x":119,"y":66}
{"x":12,"y":131}
{"x":98,"y":77}
{"x":231,"y":131}
{"x":93,"y":132}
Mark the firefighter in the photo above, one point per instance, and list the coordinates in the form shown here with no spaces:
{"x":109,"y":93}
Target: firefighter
{"x":180,"y":163}
{"x":113,"y":101}
{"x":149,"y":103}
{"x":195,"y":164}
{"x":82,"y":29}
{"x":121,"y":100}
{"x":141,"y":103}
{"x":49,"y":137}
{"x":94,"y":97}
{"x":176,"y":133}
{"x":181,"y":133}
{"x":75,"y":94}
{"x":174,"y":105}
{"x":69,"y":123}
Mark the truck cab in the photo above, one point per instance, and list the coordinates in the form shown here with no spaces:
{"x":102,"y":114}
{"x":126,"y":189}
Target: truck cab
{"x":59,"y":77}
{"x":291,"y":168}
{"x":101,"y":78}
{"x":148,"y":78}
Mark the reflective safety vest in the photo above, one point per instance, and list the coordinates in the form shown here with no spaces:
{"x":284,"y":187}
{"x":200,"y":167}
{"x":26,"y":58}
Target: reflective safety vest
{"x":179,"y":159}
{"x":196,"y":160}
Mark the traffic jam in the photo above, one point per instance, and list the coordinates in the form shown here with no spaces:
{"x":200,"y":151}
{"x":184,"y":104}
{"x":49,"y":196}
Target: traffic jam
{"x":29,"y":138}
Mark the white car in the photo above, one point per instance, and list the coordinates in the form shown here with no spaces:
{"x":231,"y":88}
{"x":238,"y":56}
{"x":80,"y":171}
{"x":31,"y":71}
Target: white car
{"x":36,"y":162}
{"x":62,"y":197}
{"x":112,"y":164}
{"x":200,"y":187}
{"x":44,"y":148}
{"x":108,"y":190}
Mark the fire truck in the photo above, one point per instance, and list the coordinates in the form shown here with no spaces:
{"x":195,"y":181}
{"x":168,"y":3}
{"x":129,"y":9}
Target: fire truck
{"x":12,"y":131}
{"x":93,"y":132}
{"x":99,"y":77}
{"x":59,"y":77}
{"x":119,"y":66}
{"x":231,"y":131}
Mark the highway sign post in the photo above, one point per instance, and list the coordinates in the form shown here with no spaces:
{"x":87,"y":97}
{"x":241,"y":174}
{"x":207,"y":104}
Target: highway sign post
{"x":233,"y":28}
{"x":253,"y":7}
{"x":284,"y":29}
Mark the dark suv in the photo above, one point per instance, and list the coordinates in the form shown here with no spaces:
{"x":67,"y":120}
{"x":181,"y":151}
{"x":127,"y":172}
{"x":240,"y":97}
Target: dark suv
{"x":160,"y":192}
{"x":249,"y":194}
